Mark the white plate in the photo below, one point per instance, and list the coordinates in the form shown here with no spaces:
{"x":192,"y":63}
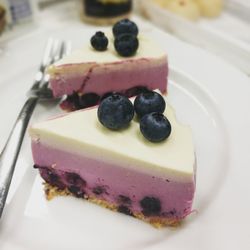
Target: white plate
{"x":210,"y":95}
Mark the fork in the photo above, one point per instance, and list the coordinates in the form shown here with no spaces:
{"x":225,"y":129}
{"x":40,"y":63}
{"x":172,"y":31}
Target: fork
{"x":39,"y":91}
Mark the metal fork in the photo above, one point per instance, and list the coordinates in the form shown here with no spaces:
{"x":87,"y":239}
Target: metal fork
{"x":39,"y":92}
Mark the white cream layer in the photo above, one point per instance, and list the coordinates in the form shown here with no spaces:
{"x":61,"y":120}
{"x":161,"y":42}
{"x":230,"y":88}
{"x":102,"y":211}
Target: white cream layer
{"x":147,"y":49}
{"x":80,"y":132}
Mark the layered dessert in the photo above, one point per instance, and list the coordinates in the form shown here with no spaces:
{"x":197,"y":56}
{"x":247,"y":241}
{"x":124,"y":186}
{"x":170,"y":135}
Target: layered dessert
{"x":88,"y":74}
{"x":148,"y":175}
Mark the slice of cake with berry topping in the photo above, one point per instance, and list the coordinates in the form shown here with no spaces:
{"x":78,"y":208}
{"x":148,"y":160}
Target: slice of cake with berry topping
{"x":126,"y":62}
{"x":125,"y":156}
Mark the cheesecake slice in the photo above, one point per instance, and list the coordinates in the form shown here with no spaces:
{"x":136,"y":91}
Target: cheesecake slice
{"x":86,"y":75}
{"x":119,"y":170}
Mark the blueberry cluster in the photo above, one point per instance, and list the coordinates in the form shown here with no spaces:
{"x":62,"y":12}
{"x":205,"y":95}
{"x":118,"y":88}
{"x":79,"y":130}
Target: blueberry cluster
{"x":116,"y":112}
{"x":126,"y":42}
{"x":149,"y":107}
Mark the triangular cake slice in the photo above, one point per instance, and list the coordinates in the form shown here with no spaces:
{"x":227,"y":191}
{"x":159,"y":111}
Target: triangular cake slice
{"x":86,"y":75}
{"x":120,"y":170}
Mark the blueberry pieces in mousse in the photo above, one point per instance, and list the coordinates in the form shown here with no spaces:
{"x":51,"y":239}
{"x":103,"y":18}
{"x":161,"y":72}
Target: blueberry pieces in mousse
{"x":125,"y":62}
{"x":101,"y":155}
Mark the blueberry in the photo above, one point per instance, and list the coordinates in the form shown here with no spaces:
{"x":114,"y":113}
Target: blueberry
{"x":99,"y":190}
{"x":89,"y":99}
{"x":126,"y":45}
{"x":115,"y":112}
{"x":109,"y":94}
{"x":149,"y":102}
{"x":135,"y":91}
{"x":99,"y":41}
{"x":76,"y":191}
{"x":52,"y":178}
{"x":150,"y":206}
{"x":124,"y":200}
{"x":125,"y":26}
{"x":74,"y":100}
{"x":75,"y":179}
{"x":125,"y":210}
{"x":155,"y":127}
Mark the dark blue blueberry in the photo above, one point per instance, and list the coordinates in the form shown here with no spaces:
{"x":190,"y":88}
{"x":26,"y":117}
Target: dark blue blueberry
{"x":53,"y":179}
{"x":99,"y":41}
{"x":149,"y":102}
{"x":75,"y":179}
{"x":88,"y":100}
{"x":125,"y":210}
{"x":155,"y":127}
{"x":74,"y":100}
{"x":76,"y":191}
{"x":135,"y":91}
{"x":99,"y":190}
{"x":150,"y":206}
{"x":124,"y":200}
{"x":109,"y":94}
{"x":125,"y":26}
{"x":126,"y":45}
{"x":115,"y":112}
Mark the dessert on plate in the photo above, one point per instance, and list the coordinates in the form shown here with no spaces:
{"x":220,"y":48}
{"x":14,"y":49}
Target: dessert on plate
{"x":105,"y":65}
{"x":129,"y":155}
{"x":149,"y":175}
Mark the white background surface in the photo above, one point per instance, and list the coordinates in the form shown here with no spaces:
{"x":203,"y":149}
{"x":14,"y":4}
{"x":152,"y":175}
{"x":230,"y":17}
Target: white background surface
{"x":207,"y":93}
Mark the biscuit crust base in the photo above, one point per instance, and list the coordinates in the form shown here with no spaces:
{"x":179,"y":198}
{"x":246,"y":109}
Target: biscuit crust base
{"x":157,"y":222}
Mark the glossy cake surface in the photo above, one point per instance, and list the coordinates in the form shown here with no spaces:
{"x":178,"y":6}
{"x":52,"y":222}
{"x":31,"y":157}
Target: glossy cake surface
{"x":151,"y":181}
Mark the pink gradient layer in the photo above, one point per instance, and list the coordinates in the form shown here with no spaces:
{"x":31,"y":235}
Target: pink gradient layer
{"x":101,"y":79}
{"x":176,"y":197}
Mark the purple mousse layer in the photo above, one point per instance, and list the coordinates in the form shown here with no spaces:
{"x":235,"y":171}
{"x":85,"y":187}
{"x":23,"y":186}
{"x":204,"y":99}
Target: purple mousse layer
{"x":101,"y":79}
{"x":110,"y":182}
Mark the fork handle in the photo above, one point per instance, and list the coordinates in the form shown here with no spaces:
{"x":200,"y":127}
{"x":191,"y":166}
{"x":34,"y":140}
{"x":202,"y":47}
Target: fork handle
{"x":9,"y":155}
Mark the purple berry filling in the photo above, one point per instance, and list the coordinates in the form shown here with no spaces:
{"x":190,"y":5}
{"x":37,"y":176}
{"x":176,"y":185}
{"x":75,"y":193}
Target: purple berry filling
{"x":124,"y":210}
{"x":150,"y":206}
{"x":124,"y":200}
{"x":99,"y":190}
{"x":76,"y":101}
